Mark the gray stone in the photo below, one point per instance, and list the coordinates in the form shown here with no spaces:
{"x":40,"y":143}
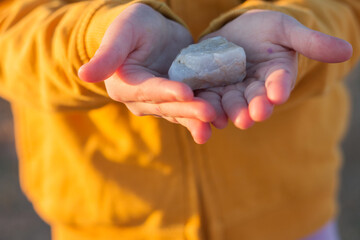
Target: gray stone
{"x":210,"y":63}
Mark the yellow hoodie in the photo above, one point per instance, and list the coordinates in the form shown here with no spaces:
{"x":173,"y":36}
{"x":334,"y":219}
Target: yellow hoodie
{"x":95,"y":171}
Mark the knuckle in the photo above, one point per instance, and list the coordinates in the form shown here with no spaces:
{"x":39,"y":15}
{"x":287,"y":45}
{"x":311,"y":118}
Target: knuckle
{"x":159,"y":111}
{"x":172,"y":119}
{"x":114,"y":96}
{"x":254,"y":89}
{"x":112,"y":91}
{"x":134,"y":110}
{"x":140,"y":95}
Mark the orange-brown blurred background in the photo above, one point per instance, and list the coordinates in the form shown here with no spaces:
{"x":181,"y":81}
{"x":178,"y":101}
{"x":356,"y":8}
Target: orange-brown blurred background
{"x":18,"y":221}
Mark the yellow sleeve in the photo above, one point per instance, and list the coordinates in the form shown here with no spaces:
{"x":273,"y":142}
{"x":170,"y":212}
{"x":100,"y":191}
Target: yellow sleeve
{"x":43,"y":44}
{"x":339,"y":18}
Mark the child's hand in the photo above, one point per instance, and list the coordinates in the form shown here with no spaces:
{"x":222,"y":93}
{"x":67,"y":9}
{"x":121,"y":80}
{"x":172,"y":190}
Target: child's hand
{"x":271,"y":41}
{"x":133,"y":59}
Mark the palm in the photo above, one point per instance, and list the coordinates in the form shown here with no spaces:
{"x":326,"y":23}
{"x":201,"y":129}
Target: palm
{"x":133,"y":59}
{"x":271,"y":41}
{"x":158,"y":45}
{"x":267,"y":63}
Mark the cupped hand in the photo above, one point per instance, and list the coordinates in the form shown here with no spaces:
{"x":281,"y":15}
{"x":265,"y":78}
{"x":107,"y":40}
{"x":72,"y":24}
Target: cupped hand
{"x":271,"y":41}
{"x":133,"y":59}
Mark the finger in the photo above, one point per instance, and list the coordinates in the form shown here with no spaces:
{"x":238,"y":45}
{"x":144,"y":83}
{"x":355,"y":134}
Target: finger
{"x":260,"y":108}
{"x":279,"y":84}
{"x":115,"y":46}
{"x":210,"y":35}
{"x":215,"y":100}
{"x":236,"y":108}
{"x":141,"y":86}
{"x":197,"y":109}
{"x":314,"y":44}
{"x":200,"y":131}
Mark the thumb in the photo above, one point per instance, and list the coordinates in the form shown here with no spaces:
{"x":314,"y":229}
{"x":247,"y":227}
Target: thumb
{"x":316,"y":45}
{"x":115,"y":46}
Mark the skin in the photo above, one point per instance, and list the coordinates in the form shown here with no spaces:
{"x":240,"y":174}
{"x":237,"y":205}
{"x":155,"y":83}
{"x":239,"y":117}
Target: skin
{"x":272,"y":41}
{"x":139,"y":46}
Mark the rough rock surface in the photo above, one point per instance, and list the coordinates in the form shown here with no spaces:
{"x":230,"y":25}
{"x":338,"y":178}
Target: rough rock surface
{"x":210,"y":63}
